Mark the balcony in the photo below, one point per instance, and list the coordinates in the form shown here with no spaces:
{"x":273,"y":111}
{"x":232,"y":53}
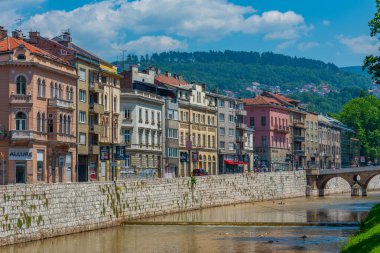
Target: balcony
{"x":96,"y":108}
{"x":281,"y":129}
{"x":241,"y":112}
{"x":61,"y":138}
{"x":299,"y":124}
{"x":95,"y":128}
{"x":241,"y":125}
{"x":21,"y":99}
{"x":61,"y":104}
{"x":241,"y":139}
{"x":21,"y":135}
{"x":299,"y":138}
{"x":93,"y":149}
{"x":127,"y":121}
{"x":299,"y":152}
{"x":96,"y":87}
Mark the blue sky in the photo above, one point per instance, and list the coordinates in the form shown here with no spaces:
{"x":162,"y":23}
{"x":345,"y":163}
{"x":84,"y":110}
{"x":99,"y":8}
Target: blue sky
{"x":329,"y":30}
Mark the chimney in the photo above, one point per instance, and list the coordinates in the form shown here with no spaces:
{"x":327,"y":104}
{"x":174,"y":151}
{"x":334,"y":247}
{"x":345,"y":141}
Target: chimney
{"x":168,"y":74}
{"x":3,"y":33}
{"x":17,"y":34}
{"x":158,"y":71}
{"x":33,"y":37}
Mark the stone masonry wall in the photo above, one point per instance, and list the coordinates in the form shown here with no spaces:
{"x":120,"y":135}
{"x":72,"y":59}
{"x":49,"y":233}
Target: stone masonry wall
{"x":31,"y":212}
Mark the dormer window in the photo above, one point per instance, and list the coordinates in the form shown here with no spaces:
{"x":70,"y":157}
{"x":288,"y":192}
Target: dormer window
{"x":21,"y":57}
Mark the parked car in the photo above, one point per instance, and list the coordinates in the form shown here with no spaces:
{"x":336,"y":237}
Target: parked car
{"x":200,"y":172}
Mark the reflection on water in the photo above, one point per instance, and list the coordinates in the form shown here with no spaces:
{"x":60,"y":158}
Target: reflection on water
{"x":195,"y":239}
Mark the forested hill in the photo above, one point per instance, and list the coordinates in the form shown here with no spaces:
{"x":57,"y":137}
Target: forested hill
{"x":241,"y":71}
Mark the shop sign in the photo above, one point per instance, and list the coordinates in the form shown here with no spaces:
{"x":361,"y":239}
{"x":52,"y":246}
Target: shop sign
{"x":194,"y":157}
{"x":104,"y":153}
{"x":120,"y":153}
{"x":20,"y":154}
{"x":183,"y":156}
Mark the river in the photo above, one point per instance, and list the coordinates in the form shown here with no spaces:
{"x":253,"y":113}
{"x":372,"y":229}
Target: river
{"x":235,"y":228}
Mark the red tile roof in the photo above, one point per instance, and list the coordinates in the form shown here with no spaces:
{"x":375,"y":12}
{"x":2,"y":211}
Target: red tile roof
{"x":261,"y":100}
{"x":170,"y":80}
{"x":11,"y":43}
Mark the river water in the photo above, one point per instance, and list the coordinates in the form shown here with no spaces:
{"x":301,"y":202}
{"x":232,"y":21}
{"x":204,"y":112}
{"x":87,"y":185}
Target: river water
{"x":231,"y":230}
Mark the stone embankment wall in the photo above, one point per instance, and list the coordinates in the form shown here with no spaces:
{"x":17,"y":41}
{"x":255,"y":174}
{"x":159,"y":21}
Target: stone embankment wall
{"x":31,"y":212}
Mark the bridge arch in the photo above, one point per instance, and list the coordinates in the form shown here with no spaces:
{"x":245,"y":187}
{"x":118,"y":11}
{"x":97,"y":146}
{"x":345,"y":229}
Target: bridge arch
{"x":372,"y":179}
{"x":335,"y":184}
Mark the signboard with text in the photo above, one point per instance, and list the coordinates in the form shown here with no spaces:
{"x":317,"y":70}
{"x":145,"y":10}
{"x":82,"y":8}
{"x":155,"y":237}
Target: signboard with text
{"x":104,"y":153}
{"x":183,"y":156}
{"x":120,"y":153}
{"x":20,"y":154}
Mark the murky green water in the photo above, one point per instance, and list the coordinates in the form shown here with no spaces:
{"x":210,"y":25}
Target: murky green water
{"x":179,"y":238}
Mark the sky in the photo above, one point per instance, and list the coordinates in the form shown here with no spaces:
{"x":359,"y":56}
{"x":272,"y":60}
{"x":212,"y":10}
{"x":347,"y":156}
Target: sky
{"x":329,"y":30}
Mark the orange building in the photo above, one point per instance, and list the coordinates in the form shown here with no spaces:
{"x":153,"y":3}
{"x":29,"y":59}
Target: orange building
{"x":37,"y":114}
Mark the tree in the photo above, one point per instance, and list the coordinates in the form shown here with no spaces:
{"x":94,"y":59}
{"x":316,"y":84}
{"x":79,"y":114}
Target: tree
{"x":372,"y":62}
{"x":363,"y":115}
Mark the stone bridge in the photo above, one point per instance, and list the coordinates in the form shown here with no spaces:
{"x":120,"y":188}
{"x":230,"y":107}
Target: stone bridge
{"x":357,"y":178}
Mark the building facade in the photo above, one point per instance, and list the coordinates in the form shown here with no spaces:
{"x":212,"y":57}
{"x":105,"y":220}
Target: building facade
{"x":142,"y":128}
{"x":329,"y":143}
{"x":38,"y":113}
{"x":311,"y":140}
{"x":270,"y":120}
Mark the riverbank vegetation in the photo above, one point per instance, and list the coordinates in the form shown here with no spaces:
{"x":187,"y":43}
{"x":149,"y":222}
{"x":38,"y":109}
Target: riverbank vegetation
{"x":368,"y":238}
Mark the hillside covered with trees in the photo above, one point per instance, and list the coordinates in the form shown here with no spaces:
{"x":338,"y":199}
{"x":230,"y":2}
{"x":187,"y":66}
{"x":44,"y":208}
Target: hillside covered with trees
{"x":238,"y":71}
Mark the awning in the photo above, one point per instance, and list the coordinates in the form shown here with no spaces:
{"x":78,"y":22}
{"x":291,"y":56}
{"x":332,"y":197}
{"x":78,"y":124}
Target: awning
{"x":232,"y":162}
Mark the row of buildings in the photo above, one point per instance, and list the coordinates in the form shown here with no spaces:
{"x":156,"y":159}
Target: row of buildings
{"x":68,"y":115}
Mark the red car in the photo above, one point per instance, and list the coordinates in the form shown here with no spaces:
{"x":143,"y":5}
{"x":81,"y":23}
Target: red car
{"x":200,"y":172}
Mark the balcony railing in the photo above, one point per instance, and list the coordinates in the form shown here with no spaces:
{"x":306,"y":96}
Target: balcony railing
{"x":21,"y":99}
{"x":97,"y":108}
{"x":299,"y":152}
{"x":60,"y":103}
{"x":22,"y":135}
{"x":241,"y":112}
{"x":299,"y":138}
{"x":299,"y":124}
{"x":96,"y":87}
{"x":281,"y":129}
{"x":241,"y":125}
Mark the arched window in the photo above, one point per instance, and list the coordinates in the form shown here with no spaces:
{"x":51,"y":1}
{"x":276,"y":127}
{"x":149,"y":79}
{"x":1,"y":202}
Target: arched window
{"x":68,"y":124}
{"x":21,"y":57}
{"x":43,"y":88}
{"x":115,"y":105}
{"x":50,"y":124}
{"x":39,"y":88}
{"x":21,"y":121}
{"x":51,"y":90}
{"x":21,"y":85}
{"x":55,"y":90}
{"x":60,"y":123}
{"x":71,"y":94}
{"x":43,"y":123}
{"x":64,"y":125}
{"x":67,"y":93}
{"x":38,"y":122}
{"x":60,"y":91}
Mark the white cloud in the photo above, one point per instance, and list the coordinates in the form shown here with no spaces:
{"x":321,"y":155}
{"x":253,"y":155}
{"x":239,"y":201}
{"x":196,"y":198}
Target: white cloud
{"x":151,"y":44}
{"x":326,"y":22}
{"x":11,"y":11}
{"x":361,"y":44}
{"x":101,"y":25}
{"x":304,"y":46}
{"x":282,"y":46}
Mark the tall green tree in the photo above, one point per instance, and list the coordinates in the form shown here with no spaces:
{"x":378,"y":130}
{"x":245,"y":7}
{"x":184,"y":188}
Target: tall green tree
{"x":372,"y":62}
{"x":363,"y":115}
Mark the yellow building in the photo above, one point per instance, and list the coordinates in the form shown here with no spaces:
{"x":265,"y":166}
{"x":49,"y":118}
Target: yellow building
{"x":197,"y":130}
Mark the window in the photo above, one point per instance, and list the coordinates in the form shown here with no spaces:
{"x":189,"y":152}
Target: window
{"x":55,"y":90}
{"x":140,"y":115}
{"x":172,"y":133}
{"x":231,"y":104}
{"x":51,"y":90}
{"x":231,"y":118}
{"x":43,"y":123}
{"x":252,"y":122}
{"x":173,"y":114}
{"x":152,"y":117}
{"x":105,"y":103}
{"x":60,"y":123}
{"x":158,"y":118}
{"x":222,"y":145}
{"x":230,"y":146}
{"x":82,"y":95}
{"x":82,"y":138}
{"x":127,"y":114}
{"x":82,"y":74}
{"x":21,"y":57}
{"x":263,"y":121}
{"x":20,"y":121}
{"x":38,"y":122}
{"x":221,"y":103}
{"x":21,"y":85}
{"x":50,"y":124}
{"x":172,"y":152}
{"x":67,"y":93}
{"x":68,"y":124}
{"x":60,"y":91}
{"x":221,"y":117}
{"x":40,"y":165}
{"x":115,"y":104}
{"x":39,"y":88}
{"x":222,"y":131}
{"x":231,"y":132}
{"x":264,"y":141}
{"x":127,"y":161}
{"x":146,"y":116}
{"x":82,"y":117}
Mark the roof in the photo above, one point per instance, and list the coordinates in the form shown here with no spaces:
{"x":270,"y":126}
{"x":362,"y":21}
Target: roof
{"x":261,"y":100}
{"x":10,"y":43}
{"x":170,"y":80}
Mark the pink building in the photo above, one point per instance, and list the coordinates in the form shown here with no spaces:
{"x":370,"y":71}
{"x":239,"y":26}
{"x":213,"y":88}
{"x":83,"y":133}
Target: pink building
{"x":37,"y":114}
{"x":270,"y":119}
